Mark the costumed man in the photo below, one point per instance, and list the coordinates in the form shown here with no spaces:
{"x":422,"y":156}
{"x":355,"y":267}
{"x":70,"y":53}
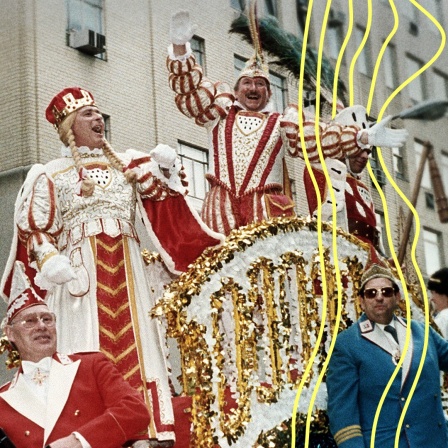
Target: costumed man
{"x":57,"y":400}
{"x":354,"y":203}
{"x":75,"y":219}
{"x":362,"y":363}
{"x":247,"y":173}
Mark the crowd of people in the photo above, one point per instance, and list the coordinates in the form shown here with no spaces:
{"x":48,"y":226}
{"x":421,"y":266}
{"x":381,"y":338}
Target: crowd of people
{"x":75,"y":267}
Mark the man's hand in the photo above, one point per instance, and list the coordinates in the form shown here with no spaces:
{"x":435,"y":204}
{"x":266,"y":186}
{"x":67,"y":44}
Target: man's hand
{"x":67,"y":442}
{"x":379,"y":135}
{"x":181,"y":30}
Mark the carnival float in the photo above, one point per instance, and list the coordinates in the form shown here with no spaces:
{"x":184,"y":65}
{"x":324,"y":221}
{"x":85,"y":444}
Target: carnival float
{"x":254,"y":321}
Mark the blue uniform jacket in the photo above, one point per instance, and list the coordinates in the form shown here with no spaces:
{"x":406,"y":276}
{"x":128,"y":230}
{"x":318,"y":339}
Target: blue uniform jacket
{"x":359,"y":370}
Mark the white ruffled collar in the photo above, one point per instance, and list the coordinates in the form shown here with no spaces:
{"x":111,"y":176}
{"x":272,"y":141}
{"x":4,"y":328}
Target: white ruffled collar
{"x":66,"y":152}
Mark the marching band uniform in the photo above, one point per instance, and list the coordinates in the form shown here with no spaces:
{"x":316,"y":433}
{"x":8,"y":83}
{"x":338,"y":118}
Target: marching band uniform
{"x":361,"y":365}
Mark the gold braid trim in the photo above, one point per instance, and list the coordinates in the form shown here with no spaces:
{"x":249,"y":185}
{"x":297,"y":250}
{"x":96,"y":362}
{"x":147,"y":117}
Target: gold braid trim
{"x":347,"y":433}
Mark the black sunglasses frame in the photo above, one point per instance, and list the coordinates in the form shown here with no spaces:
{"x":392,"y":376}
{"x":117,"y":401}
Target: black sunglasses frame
{"x":386,"y":291}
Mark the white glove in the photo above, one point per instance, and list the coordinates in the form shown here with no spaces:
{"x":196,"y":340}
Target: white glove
{"x":181,"y":30}
{"x":379,"y":135}
{"x":165,"y":156}
{"x":58,"y":270}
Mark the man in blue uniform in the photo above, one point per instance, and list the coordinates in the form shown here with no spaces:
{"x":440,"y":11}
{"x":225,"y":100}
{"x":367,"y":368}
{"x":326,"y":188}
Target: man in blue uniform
{"x":362,"y":363}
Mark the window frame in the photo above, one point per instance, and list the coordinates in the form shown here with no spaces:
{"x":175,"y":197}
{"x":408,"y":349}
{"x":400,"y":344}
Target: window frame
{"x":199,"y":51}
{"x":364,"y":62}
{"x":83,"y":24}
{"x":398,"y":162}
{"x":418,"y":84}
{"x":430,"y":251}
{"x":193,"y":177}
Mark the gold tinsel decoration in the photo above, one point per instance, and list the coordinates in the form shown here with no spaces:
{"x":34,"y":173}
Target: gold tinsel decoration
{"x":262,"y":325}
{"x":13,"y":359}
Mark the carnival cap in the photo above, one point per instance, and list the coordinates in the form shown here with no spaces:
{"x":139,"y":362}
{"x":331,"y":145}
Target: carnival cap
{"x":66,"y":102}
{"x":256,"y":66}
{"x":22,"y":295}
{"x":438,"y":282}
{"x":376,"y":268}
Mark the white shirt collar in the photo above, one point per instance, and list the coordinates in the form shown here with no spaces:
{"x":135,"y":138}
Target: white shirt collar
{"x":28,"y":367}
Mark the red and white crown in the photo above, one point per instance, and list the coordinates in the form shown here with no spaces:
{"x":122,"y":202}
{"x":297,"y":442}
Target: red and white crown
{"x":66,"y":102}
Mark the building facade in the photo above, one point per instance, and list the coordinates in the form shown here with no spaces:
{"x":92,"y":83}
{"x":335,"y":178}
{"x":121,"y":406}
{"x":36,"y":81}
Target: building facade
{"x":117,"y":51}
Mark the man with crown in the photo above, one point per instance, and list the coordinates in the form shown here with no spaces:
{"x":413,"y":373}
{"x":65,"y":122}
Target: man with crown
{"x":57,"y":400}
{"x":75,"y":233}
{"x":363,"y":361}
{"x":248,"y":141}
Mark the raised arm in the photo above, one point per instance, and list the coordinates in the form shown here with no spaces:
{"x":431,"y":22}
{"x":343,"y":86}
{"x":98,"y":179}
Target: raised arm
{"x":196,"y":96}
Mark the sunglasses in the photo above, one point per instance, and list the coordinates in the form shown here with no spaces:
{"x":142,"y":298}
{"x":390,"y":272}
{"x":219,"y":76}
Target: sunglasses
{"x":387,"y":292}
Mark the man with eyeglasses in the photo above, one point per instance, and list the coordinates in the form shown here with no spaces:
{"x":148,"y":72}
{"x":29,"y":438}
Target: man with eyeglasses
{"x":363,"y":361}
{"x":62,"y":401}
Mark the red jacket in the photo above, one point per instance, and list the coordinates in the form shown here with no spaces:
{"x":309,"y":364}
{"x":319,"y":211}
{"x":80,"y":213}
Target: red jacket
{"x":86,"y":394}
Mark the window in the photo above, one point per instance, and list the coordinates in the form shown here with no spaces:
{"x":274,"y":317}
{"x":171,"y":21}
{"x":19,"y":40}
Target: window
{"x":398,"y":162}
{"x":293,"y":187}
{"x":107,"y":132}
{"x":444,"y":171}
{"x":239,"y":5}
{"x":376,"y":168}
{"x":198,"y":48}
{"x":416,"y":89}
{"x":429,"y":200}
{"x":270,"y":7}
{"x":381,"y":224}
{"x":334,"y":39}
{"x":432,"y":243}
{"x":278,"y":88}
{"x":440,"y":86}
{"x":301,"y":8}
{"x":195,"y":162}
{"x":86,"y":16}
{"x":238,"y":65}
{"x":364,"y":61}
{"x":390,"y":67}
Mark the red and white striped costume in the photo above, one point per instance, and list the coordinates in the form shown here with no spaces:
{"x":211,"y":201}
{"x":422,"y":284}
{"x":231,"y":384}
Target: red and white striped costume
{"x":107,"y":307}
{"x":247,"y":174}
